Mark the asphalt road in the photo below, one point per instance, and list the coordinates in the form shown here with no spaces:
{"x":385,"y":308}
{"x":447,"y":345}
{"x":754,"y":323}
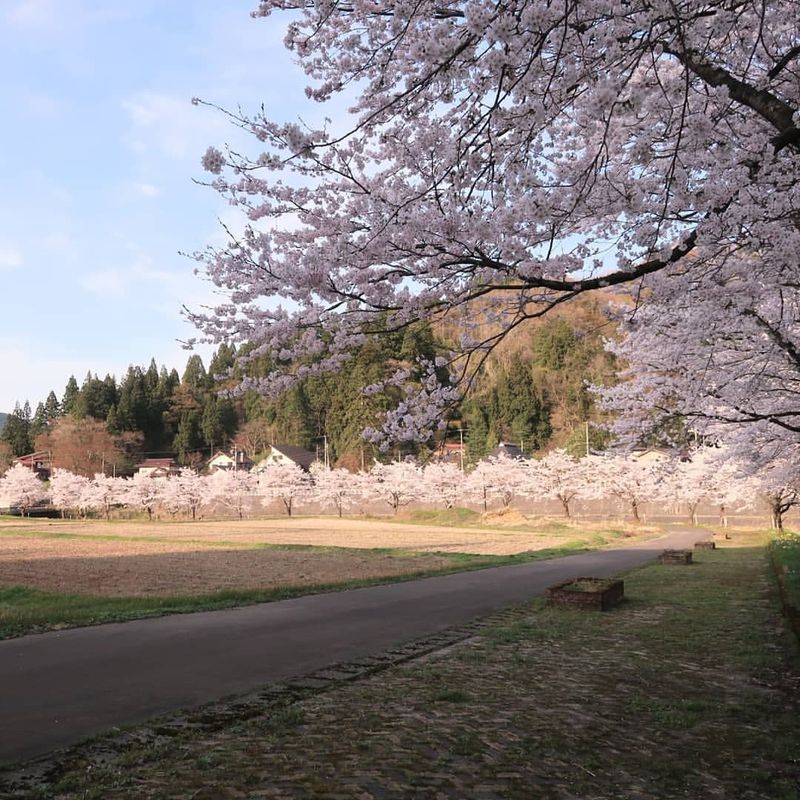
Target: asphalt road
{"x":58,"y":688}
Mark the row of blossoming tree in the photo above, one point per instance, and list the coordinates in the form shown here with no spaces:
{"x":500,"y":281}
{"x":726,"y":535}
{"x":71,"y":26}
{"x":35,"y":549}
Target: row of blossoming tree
{"x":495,"y":482}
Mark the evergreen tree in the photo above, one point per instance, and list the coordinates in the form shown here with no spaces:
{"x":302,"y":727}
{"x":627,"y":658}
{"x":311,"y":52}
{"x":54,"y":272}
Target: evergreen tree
{"x":69,"y":403}
{"x":96,"y":397}
{"x":17,"y":430}
{"x":52,"y":408}
{"x":218,"y":422}
{"x":222,"y":362}
{"x":39,"y":421}
{"x":187,"y":440}
{"x":195,"y":375}
{"x":112,"y":422}
{"x":293,"y":419}
{"x":151,"y":379}
{"x":476,"y":440}
{"x":520,"y":414}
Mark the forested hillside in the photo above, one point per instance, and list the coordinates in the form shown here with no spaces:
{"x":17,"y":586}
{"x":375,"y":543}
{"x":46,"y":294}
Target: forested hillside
{"x":531,"y":391}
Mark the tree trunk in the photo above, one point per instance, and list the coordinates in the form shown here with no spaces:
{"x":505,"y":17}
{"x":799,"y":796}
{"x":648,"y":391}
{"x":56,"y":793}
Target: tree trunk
{"x":635,"y":510}
{"x":565,"y":505}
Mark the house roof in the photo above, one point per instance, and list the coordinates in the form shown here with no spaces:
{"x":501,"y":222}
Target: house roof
{"x":30,"y":458}
{"x":302,"y":457}
{"x":507,"y":450}
{"x":154,"y":463}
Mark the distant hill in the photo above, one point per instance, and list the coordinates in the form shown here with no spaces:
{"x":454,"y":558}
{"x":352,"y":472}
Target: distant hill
{"x":2,"y":420}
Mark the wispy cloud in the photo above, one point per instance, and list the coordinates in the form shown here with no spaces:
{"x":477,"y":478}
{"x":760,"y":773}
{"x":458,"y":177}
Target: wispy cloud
{"x":146,"y":189}
{"x":138,"y":189}
{"x":42,"y":105}
{"x":32,"y":373}
{"x":32,"y":13}
{"x":170,"y":125}
{"x":10,"y":257}
{"x":167,"y":290}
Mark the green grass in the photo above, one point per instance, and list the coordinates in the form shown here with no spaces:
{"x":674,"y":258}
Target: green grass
{"x":447,"y":517}
{"x":786,"y":552}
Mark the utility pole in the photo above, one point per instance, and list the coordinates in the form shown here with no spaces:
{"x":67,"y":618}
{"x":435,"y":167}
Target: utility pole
{"x":587,"y":437}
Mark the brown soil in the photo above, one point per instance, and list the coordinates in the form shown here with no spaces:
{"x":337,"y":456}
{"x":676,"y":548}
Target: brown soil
{"x":162,"y":558}
{"x":318,"y":531}
{"x":132,"y":569}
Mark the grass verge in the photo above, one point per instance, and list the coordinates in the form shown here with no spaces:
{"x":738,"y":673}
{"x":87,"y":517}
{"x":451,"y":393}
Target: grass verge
{"x":786,"y":553}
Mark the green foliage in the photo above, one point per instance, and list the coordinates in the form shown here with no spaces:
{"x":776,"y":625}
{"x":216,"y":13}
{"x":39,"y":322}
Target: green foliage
{"x":786,"y":552}
{"x":96,"y":397}
{"x":599,"y":440}
{"x":554,"y":345}
{"x":17,"y":430}
{"x":531,"y":392}
{"x":70,"y":399}
{"x":478,"y":441}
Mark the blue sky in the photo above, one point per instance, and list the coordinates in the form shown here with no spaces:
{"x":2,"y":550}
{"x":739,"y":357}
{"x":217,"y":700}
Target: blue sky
{"x":99,"y":143}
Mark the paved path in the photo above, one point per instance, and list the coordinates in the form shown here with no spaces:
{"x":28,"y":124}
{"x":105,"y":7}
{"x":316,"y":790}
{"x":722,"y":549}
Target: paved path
{"x":58,"y":688}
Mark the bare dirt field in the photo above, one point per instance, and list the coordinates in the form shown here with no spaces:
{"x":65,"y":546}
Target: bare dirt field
{"x":122,"y":558}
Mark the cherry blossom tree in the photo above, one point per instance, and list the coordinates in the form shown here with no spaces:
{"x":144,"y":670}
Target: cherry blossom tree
{"x":558,"y":476}
{"x":729,"y":371}
{"x":689,"y":482}
{"x":730,"y":488}
{"x":497,"y":478}
{"x":104,"y":492}
{"x":235,"y":489}
{"x":68,"y":491}
{"x":442,"y":483}
{"x":630,"y":481}
{"x":285,"y":482}
{"x":144,"y":492}
{"x":397,"y":483}
{"x":778,"y":484}
{"x":21,"y":488}
{"x":187,"y":491}
{"x":502,"y":159}
{"x":338,"y":488}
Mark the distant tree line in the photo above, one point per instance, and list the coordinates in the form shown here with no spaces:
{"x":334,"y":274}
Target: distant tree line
{"x":533,"y":391}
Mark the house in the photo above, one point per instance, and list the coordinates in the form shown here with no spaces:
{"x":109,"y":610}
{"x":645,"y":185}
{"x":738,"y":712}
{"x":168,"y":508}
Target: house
{"x":650,"y":455}
{"x":224,"y":461}
{"x":157,"y":467}
{"x":287,"y":454}
{"x":39,"y":462}
{"x":451,"y":453}
{"x":507,"y":450}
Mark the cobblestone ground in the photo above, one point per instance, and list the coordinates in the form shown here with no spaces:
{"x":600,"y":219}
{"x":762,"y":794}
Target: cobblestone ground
{"x":687,"y":690}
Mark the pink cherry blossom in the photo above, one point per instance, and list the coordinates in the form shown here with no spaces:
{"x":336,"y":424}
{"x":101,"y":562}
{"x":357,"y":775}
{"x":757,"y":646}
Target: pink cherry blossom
{"x":503,"y":158}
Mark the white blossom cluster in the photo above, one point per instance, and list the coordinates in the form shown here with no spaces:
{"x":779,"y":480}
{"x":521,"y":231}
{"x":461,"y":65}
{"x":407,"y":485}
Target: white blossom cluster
{"x":494,"y":482}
